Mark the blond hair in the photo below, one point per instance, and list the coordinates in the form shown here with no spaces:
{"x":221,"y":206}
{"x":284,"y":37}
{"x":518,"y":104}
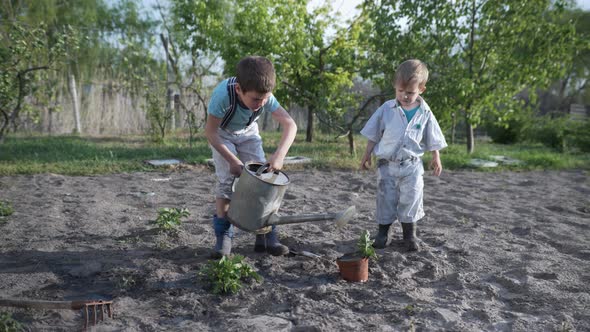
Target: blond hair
{"x":411,"y":71}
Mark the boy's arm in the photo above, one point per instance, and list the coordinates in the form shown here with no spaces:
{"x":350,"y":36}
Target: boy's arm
{"x":289,"y":131}
{"x":435,"y":163}
{"x":213,"y":122}
{"x":366,"y":161}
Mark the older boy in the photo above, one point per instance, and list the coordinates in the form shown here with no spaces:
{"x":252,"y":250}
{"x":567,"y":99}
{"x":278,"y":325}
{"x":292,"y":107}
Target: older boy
{"x":232,"y":132}
{"x":398,"y":133}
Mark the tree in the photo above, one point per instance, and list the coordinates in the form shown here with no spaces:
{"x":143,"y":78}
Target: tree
{"x":312,"y":69}
{"x":481,"y":53}
{"x":116,"y":44}
{"x":573,"y":87}
{"x":24,"y":53}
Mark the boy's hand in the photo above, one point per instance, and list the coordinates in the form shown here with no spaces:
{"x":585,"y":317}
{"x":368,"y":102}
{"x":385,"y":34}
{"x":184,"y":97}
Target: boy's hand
{"x":236,"y":167}
{"x":366,"y":162}
{"x":275,"y":163}
{"x":435,"y":164}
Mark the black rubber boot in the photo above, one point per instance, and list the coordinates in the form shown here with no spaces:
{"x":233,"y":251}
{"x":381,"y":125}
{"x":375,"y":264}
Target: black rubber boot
{"x":260,"y":244}
{"x":224,"y":232}
{"x":410,"y":238}
{"x":273,"y":246}
{"x":382,"y":239}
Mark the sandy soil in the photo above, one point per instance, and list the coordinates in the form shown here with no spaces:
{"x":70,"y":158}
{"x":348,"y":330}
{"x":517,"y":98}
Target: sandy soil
{"x":502,"y":252}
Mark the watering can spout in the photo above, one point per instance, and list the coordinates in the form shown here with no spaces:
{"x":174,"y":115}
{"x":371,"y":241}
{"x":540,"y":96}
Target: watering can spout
{"x":340,"y":218}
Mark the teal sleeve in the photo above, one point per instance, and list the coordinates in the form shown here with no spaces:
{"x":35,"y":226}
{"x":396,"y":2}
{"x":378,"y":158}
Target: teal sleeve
{"x":272,"y":104}
{"x":219,"y":101}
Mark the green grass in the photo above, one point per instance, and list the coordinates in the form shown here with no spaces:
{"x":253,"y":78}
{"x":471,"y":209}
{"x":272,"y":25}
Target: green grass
{"x":72,"y":155}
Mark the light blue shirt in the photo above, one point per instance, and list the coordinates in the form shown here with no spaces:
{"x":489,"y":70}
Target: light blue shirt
{"x":219,"y":105}
{"x":397,"y":138}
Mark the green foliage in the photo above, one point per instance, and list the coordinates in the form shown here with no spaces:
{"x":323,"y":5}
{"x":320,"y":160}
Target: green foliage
{"x":9,"y":324}
{"x":70,"y":155}
{"x":561,"y":132}
{"x":227,"y":274}
{"x":5,"y":209}
{"x":77,"y":156}
{"x":481,"y":54}
{"x":170,"y":218}
{"x":365,"y":245}
{"x":580,"y":135}
{"x":509,"y":131}
{"x":25,"y":52}
{"x":158,"y":116}
{"x":313,"y":70}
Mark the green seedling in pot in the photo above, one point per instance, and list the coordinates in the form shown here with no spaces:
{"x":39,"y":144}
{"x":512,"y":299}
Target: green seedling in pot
{"x":226,"y":275}
{"x":169,"y":218}
{"x":365,"y":245}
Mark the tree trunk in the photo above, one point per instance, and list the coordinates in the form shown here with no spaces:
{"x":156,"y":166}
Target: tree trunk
{"x":453,"y":127}
{"x":171,"y":109}
{"x":50,"y":112}
{"x":74,"y":95}
{"x":3,"y":125}
{"x":309,"y":136}
{"x":470,"y":138}
{"x":350,"y":141}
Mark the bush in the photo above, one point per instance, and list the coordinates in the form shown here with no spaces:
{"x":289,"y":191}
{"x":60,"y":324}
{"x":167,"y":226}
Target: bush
{"x":509,"y":132}
{"x":561,"y":132}
{"x":5,"y":209}
{"x":9,"y":324}
{"x":169,"y":218}
{"x":226,"y":275}
{"x":580,"y":136}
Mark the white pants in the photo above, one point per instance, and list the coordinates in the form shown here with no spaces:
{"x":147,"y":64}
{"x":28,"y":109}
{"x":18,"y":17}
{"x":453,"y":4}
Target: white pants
{"x":400,"y":191}
{"x":246,"y":145}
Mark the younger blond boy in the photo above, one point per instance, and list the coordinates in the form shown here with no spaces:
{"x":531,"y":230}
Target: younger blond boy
{"x":398,"y":133}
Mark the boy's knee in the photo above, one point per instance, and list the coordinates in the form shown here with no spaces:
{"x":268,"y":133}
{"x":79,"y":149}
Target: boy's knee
{"x":224,"y":190}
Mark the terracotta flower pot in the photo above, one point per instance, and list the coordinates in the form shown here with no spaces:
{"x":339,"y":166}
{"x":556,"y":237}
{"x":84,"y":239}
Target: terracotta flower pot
{"x":353,"y":267}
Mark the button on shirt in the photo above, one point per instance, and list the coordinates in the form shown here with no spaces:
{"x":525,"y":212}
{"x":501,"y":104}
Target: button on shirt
{"x":219,"y":105}
{"x":396,"y":139}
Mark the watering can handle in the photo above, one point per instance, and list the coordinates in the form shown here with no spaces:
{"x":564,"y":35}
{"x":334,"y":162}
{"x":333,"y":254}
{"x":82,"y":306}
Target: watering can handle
{"x":263,"y":168}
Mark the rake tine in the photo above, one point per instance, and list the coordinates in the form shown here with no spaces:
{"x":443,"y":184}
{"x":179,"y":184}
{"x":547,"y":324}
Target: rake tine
{"x":110,"y":311}
{"x":85,"y":316}
{"x":95,"y":313}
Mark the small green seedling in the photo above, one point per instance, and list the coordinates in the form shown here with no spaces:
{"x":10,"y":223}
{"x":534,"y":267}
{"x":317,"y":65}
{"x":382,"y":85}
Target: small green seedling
{"x":9,"y":324}
{"x":5,"y":209}
{"x":365,"y":245}
{"x":410,"y":310}
{"x":227,"y":274}
{"x":169,"y":218}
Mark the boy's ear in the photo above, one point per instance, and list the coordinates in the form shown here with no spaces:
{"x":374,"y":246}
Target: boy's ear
{"x":238,"y":88}
{"x":422,"y":89}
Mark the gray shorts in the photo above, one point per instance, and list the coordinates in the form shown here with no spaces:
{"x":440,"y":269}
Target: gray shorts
{"x":246,"y":145}
{"x":400,"y":191}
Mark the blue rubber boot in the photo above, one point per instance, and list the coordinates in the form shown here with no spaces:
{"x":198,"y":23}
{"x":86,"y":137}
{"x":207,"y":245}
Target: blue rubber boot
{"x":224,"y":232}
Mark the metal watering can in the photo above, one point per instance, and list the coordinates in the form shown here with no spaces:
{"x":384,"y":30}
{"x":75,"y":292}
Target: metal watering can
{"x":258,"y":195}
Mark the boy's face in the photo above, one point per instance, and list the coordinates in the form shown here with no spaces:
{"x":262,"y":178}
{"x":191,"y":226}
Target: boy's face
{"x":252,"y":99}
{"x":406,"y":94}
